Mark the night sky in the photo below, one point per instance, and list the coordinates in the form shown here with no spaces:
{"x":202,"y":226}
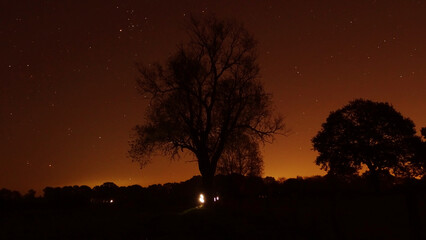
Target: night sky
{"x":67,"y":69}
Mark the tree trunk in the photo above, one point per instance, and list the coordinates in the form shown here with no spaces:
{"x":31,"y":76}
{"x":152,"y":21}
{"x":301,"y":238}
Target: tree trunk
{"x":208,"y":189}
{"x":373,"y":177}
{"x":375,"y":180}
{"x":207,"y":168}
{"x":207,"y":178}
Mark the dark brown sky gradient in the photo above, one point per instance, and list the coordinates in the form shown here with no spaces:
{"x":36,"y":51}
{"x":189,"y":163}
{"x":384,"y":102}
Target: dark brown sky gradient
{"x":67,"y":76}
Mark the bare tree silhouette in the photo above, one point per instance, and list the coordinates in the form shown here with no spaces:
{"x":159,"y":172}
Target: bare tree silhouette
{"x":242,"y":156}
{"x":205,"y":96}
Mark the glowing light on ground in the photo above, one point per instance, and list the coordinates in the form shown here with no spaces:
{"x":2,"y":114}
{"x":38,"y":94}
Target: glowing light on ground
{"x":201,"y":198}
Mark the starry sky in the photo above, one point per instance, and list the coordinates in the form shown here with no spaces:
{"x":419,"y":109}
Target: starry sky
{"x":67,"y":69}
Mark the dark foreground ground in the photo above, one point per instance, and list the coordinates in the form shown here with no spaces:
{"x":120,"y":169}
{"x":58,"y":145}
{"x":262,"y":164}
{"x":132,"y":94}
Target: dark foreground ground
{"x":370,"y":216}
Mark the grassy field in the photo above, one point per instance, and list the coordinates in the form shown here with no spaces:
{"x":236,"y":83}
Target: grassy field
{"x":318,"y":217}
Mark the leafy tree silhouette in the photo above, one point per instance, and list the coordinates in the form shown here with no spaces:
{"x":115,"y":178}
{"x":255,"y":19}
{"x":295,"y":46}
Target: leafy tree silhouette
{"x":420,"y":159}
{"x":207,"y":94}
{"x":366,"y":133}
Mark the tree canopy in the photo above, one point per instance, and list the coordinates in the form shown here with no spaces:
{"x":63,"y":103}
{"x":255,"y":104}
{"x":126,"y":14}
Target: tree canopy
{"x":366,"y":133}
{"x":206,"y":95}
{"x":242,"y":156}
{"x":420,"y":159}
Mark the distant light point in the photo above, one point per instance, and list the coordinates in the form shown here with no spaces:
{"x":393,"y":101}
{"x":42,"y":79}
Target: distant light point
{"x":69,"y":131}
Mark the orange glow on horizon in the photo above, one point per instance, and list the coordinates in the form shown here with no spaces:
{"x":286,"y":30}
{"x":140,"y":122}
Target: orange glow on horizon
{"x":68,"y":100}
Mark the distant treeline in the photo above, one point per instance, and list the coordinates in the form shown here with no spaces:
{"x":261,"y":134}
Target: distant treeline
{"x":231,"y":189}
